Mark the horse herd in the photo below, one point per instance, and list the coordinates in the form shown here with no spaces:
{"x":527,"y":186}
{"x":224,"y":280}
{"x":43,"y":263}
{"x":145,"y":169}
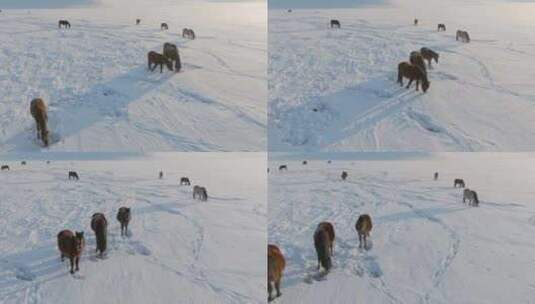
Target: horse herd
{"x":324,"y":237}
{"x":415,"y":68}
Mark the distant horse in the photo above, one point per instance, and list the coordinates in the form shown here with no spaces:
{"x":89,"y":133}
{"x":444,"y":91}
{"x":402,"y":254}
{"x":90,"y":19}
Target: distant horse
{"x":160,"y":175}
{"x":71,"y":245}
{"x":188,"y":33}
{"x":329,"y":161}
{"x":428,"y":54}
{"x":158,"y":59}
{"x":200,"y":193}
{"x":39,"y":113}
{"x":171,"y":52}
{"x":417,"y":59}
{"x":412,"y":72}
{"x":4,"y":167}
{"x":184,"y":181}
{"x":435,"y":177}
{"x":276,"y":264}
{"x":283,"y":167}
{"x":138,"y":21}
{"x":335,"y":23}
{"x":23,"y":163}
{"x":344,"y":175}
{"x":290,"y":10}
{"x":458,"y":182}
{"x":73,"y":175}
{"x":463,"y":36}
{"x":99,"y":225}
{"x":323,"y":245}
{"x":305,"y":162}
{"x":471,"y":196}
{"x":415,"y":21}
{"x":363,"y":227}
{"x":441,"y":27}
{"x":64,"y":23}
{"x":123,"y":216}
{"x":164,"y":26}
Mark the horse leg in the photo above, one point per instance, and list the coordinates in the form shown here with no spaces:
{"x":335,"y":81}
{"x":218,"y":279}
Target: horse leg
{"x":62,"y":257}
{"x":270,"y":290}
{"x":410,"y":82}
{"x":360,"y":240}
{"x":277,"y":287}
{"x":72,"y":264}
{"x":77,"y":261}
{"x":365,"y":242}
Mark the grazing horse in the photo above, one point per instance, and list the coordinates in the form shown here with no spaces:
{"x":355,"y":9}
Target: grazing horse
{"x":123,"y":216}
{"x":458,"y":182}
{"x":412,"y":72}
{"x":441,"y":27}
{"x":73,"y":175}
{"x":323,"y":245}
{"x":138,"y":21}
{"x":344,"y":175}
{"x":158,"y":59}
{"x":188,"y":33}
{"x":71,"y":245}
{"x":160,"y":175}
{"x":39,"y":113}
{"x":200,"y":193}
{"x":99,"y":225}
{"x":363,"y":227}
{"x":463,"y":36}
{"x":171,"y":52}
{"x":64,"y":23}
{"x":415,"y":21}
{"x":184,"y":181}
{"x":335,"y":23}
{"x":435,"y":177}
{"x":417,"y":59}
{"x":5,"y":167}
{"x":471,"y":196}
{"x":276,"y":264}
{"x":428,"y":54}
{"x":305,"y":162}
{"x":283,"y":167}
{"x":164,"y":26}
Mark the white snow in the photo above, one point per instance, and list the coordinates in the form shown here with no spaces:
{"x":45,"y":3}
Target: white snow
{"x":428,"y":247}
{"x":481,"y":97}
{"x":100,"y":94}
{"x":179,"y":250}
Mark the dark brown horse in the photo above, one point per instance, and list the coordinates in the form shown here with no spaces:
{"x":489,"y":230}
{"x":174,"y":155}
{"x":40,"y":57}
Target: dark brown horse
{"x":39,"y":113}
{"x":276,"y":264}
{"x":71,"y":245}
{"x":158,"y":59}
{"x":323,"y":245}
{"x":23,"y":163}
{"x":412,"y":72}
{"x":441,"y":27}
{"x":123,"y":216}
{"x":64,"y":23}
{"x":73,"y":175}
{"x":363,"y":227}
{"x":160,"y":175}
{"x":305,"y":162}
{"x":429,"y":55}
{"x":184,"y":181}
{"x":335,"y":23}
{"x":344,"y":175}
{"x":415,"y":21}
{"x":283,"y":167}
{"x":417,"y":59}
{"x":330,"y":230}
{"x":458,"y":182}
{"x":99,"y":225}
{"x":171,"y":52}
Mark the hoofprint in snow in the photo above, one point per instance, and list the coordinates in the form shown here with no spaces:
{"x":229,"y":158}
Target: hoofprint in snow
{"x":336,"y":90}
{"x":102,"y":97}
{"x":428,"y":247}
{"x":179,"y":250}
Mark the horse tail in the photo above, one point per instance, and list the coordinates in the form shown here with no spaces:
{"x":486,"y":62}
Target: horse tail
{"x":101,"y":238}
{"x":476,"y":199}
{"x":321,"y":242}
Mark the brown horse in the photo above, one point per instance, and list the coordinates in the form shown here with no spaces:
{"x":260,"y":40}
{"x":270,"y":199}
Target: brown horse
{"x":160,"y":175}
{"x":71,"y":245}
{"x":99,"y":225}
{"x":330,"y":230}
{"x":429,"y":55}
{"x":123,"y":216}
{"x":463,"y":36}
{"x":412,"y":72}
{"x":64,"y":23}
{"x":39,"y":113}
{"x":323,"y":244}
{"x":158,"y":59}
{"x":344,"y":175}
{"x":73,"y":175}
{"x":276,"y":264}
{"x":441,"y":27}
{"x":416,"y":59}
{"x":171,"y":52}
{"x":363,"y":227}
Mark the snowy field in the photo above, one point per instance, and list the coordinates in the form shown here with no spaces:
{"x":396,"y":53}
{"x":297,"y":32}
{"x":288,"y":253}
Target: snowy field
{"x":101,"y":96}
{"x":336,"y":90}
{"x":428,"y":247}
{"x":179,"y":250}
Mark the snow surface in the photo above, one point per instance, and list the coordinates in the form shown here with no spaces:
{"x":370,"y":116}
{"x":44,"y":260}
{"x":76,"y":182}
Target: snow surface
{"x":179,"y":250}
{"x":428,"y":247}
{"x":481,"y":98}
{"x":101,"y":96}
